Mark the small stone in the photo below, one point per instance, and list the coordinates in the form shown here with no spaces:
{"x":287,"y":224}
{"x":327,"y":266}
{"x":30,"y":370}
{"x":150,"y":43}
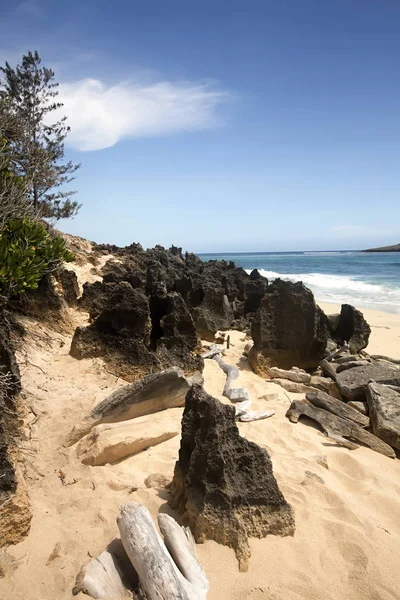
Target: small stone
{"x":157,"y":480}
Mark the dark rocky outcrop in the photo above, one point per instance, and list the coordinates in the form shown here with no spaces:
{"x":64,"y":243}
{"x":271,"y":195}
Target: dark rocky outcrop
{"x":223,"y":484}
{"x":384,"y":411}
{"x":136,"y":334}
{"x":353,"y":382}
{"x":213,"y":313}
{"x":350,"y":326}
{"x":179,"y":297}
{"x":288,"y":329}
{"x":70,"y":287}
{"x":120,"y":333}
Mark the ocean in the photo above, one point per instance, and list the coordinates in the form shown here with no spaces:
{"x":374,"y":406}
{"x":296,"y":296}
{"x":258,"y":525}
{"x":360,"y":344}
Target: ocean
{"x":370,"y":280}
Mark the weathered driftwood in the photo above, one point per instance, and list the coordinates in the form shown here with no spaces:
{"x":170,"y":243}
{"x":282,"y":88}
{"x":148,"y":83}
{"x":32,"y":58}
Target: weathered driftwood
{"x":297,"y":376}
{"x":249,"y":415}
{"x":241,"y":407}
{"x":338,"y":352}
{"x":232,"y":373}
{"x":111,"y":442}
{"x":153,"y":393}
{"x":328,"y":369}
{"x":341,"y":441}
{"x":239,"y":396}
{"x":351,"y":364}
{"x":160,"y":577}
{"x":362,"y":407}
{"x":293,"y":386}
{"x":337,"y":407}
{"x":332,"y":424}
{"x":396,"y":361}
{"x":213,"y":351}
{"x":110,"y":576}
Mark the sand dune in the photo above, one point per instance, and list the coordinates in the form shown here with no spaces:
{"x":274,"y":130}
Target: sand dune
{"x":347,"y":539}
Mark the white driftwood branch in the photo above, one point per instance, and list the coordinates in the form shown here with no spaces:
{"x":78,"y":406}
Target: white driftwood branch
{"x":232,"y":372}
{"x":249,"y":415}
{"x":159,"y":576}
{"x":102,"y":579}
{"x":240,"y":396}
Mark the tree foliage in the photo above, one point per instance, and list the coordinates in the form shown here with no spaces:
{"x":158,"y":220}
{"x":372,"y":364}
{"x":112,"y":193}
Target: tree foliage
{"x":35,"y":145}
{"x":27,"y":252}
{"x":14,"y":202}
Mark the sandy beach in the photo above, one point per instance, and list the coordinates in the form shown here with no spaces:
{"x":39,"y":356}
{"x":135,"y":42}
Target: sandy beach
{"x":347,"y":538}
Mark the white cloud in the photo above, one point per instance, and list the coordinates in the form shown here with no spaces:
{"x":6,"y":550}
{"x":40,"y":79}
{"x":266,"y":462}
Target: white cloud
{"x":101,"y":115}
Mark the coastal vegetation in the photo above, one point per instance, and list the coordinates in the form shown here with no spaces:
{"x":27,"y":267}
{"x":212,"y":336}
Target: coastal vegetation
{"x":32,"y":176}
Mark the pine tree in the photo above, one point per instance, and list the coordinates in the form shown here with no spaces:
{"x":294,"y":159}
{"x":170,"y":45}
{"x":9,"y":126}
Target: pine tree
{"x":37,"y":152}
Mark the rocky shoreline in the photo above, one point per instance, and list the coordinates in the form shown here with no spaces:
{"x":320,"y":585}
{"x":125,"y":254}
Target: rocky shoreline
{"x":144,"y":317}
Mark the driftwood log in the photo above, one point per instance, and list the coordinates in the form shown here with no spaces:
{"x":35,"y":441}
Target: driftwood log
{"x":178,"y":578}
{"x":333,"y":424}
{"x":240,"y":396}
{"x":232,"y":373}
{"x":322,"y":400}
{"x":166,"y":570}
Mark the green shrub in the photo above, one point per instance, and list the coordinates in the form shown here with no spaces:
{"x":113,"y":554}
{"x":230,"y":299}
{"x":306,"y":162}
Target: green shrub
{"x":27,"y":252}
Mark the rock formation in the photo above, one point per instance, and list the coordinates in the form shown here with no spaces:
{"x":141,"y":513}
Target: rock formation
{"x":223,"y":484}
{"x":288,"y":329}
{"x":177,"y":300}
{"x":351,"y":327}
{"x":353,"y":382}
{"x":384,"y":410}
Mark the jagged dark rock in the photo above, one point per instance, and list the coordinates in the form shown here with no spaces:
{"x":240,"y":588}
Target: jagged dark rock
{"x":288,"y":329}
{"x":384,"y":411}
{"x":213,"y":297}
{"x":213,"y":313}
{"x":223,"y":484}
{"x":351,"y":327}
{"x":353,"y":382}
{"x":70,"y":286}
{"x":178,"y":341}
{"x":134,"y":334}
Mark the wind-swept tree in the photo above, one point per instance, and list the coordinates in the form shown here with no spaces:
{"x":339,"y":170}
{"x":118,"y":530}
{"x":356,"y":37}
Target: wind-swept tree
{"x":36,"y":149}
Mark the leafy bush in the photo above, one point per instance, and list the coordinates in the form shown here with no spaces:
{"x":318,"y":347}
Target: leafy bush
{"x":27,"y":252}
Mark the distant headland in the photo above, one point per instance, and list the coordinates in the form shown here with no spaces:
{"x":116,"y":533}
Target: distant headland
{"x":394,"y":248}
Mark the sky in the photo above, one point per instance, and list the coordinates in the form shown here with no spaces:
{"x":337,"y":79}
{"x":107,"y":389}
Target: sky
{"x":225,"y":126}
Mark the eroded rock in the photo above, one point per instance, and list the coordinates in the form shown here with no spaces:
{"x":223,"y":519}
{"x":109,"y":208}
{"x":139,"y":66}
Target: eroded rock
{"x":353,"y":383}
{"x":384,"y":411}
{"x":288,"y":330}
{"x":223,"y":484}
{"x":352,"y":328}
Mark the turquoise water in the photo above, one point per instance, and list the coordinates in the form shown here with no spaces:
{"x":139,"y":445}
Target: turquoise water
{"x":363,"y":279}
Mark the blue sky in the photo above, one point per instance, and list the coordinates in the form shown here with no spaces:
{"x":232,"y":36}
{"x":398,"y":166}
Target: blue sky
{"x":216,"y":126}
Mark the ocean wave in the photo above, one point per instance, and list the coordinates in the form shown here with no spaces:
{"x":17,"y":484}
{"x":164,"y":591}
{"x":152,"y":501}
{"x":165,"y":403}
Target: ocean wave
{"x":328,"y":252}
{"x":341,"y":288}
{"x":333,"y":282}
